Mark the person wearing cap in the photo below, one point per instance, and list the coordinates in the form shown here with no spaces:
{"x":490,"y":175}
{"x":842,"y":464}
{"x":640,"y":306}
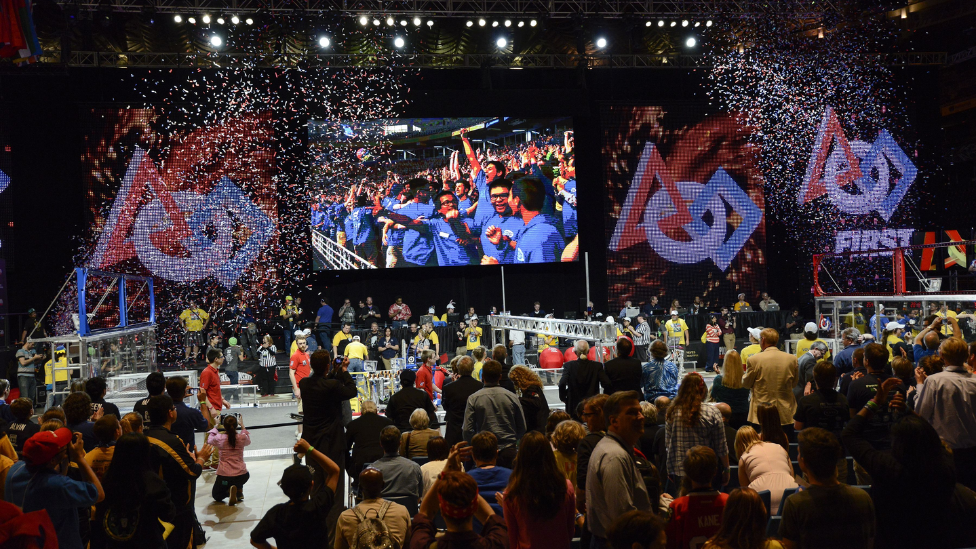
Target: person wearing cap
{"x":741,"y":303}
{"x":426,"y":339}
{"x":233,"y":357}
{"x":472,"y":335}
{"x":399,"y":313}
{"x":193,"y":319}
{"x":805,"y":365}
{"x":39,"y":481}
{"x":357,"y":353}
{"x":891,"y":337}
{"x":677,"y":331}
{"x":300,"y":522}
{"x":288,"y":314}
{"x":450,"y":311}
{"x":810,"y":332}
{"x":32,"y":328}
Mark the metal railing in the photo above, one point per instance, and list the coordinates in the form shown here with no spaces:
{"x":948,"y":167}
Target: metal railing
{"x":335,"y":256}
{"x":600,"y":332}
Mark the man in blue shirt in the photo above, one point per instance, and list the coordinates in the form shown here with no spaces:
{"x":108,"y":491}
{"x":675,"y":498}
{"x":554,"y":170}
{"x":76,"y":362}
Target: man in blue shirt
{"x":43,"y":468}
{"x":844,"y":360}
{"x":483,"y":175}
{"x":538,"y":241}
{"x":418,"y":247}
{"x":502,"y":222}
{"x":361,"y":230}
{"x":453,"y":242}
{"x":464,"y":201}
{"x":189,"y":421}
{"x":392,"y":233}
{"x":878,"y":322}
{"x":322,"y":320}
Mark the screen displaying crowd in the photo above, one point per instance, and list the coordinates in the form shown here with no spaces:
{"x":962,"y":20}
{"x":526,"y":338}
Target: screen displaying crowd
{"x":442,"y":192}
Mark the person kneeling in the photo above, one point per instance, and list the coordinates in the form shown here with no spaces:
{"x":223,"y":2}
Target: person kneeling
{"x":231,"y":472}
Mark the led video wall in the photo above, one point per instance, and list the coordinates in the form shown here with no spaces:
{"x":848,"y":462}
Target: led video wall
{"x":439,"y":192}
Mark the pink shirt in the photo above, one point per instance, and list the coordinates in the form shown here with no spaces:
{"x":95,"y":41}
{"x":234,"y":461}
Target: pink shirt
{"x":231,"y":459}
{"x":525,"y":532}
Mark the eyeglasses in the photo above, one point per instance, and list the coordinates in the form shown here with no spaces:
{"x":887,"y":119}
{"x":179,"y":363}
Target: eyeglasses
{"x":499,"y":196}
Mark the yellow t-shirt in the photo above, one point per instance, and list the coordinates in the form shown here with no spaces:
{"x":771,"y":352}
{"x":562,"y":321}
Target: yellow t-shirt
{"x":676,"y":329}
{"x":432,"y":338}
{"x":892,"y":340}
{"x":738,"y":305}
{"x":194,"y":319}
{"x":339,"y":337}
{"x":49,"y":370}
{"x":288,"y":309}
{"x":946,"y":328}
{"x":804,"y":344}
{"x":99,"y":459}
{"x":356,"y":349}
{"x":473,"y":337}
{"x":476,"y":373}
{"x":546,"y":341}
{"x":753,"y":349}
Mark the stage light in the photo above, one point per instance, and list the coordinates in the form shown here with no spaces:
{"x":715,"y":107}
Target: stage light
{"x":647,"y":24}
{"x":206,"y":19}
{"x":430,"y":22}
{"x":690,"y":42}
{"x":674,"y":23}
{"x":501,"y":42}
{"x":376,"y":22}
{"x":192,"y":21}
{"x":481,"y":22}
{"x":177,"y":18}
{"x":469,"y":23}
{"x":532,"y":23}
{"x":684,"y":22}
{"x":403,"y":22}
{"x":216,"y":41}
{"x":398,"y":42}
{"x":494,"y":23}
{"x":363,"y":20}
{"x":390,"y":22}
{"x":820,"y":33}
{"x":417,"y":21}
{"x":601,"y":42}
{"x":220,"y":20}
{"x":249,"y":21}
{"x":508,"y":22}
{"x":521,"y":24}
{"x":660,"y":22}
{"x":904,"y":13}
{"x":323,"y":42}
{"x":697,"y":24}
{"x":708,"y":23}
{"x":235,"y":19}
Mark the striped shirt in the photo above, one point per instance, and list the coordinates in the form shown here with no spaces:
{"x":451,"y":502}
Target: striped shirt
{"x":643,"y":334}
{"x":268,"y":359}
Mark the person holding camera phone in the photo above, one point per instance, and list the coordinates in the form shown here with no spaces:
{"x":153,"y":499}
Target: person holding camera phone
{"x":326,"y":392}
{"x":231,"y":472}
{"x":28,"y":364}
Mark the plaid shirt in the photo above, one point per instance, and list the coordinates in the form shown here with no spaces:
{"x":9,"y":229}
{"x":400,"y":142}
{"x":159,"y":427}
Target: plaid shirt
{"x":681,"y":437}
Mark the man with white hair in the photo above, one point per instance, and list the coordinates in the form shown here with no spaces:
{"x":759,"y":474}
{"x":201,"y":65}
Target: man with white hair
{"x":844,"y":361}
{"x":582,"y":378}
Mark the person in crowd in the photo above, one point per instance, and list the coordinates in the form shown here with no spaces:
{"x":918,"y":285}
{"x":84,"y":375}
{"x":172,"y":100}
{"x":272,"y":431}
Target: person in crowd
{"x":528,"y":386}
{"x":328,"y":388}
{"x":743,"y":523}
{"x":179,"y":467}
{"x":642,"y":339}
{"x":193,"y":320}
{"x":850,"y":338}
{"x":357,"y":353}
{"x":425,"y":374}
{"x":479,"y":361}
{"x":137,"y":501}
{"x":472,"y":335}
{"x":713,"y":336}
{"x":77,"y":410}
{"x":804,"y":369}
{"x":625,"y":371}
{"x":40,"y":481}
{"x":861,"y":391}
{"x":947,"y":400}
{"x":491,"y":477}
{"x":659,"y":377}
{"x":565,"y":441}
{"x":413,"y":443}
{"x":763,"y":465}
{"x":496,"y":410}
{"x":727,"y":387}
{"x":399,"y":313}
{"x":267,"y":366}
{"x":753,"y":348}
{"x":455,"y":399}
{"x":772,"y":374}
{"x":516,"y":339}
{"x":538,"y":241}
{"x":363,"y":438}
{"x":827,"y":513}
{"x":299,"y":369}
{"x":500,"y":355}
{"x":323,"y":320}
{"x":97,"y":388}
{"x":929,"y":365}
{"x":891,"y":338}
{"x":824,"y":408}
{"x":613,"y":483}
{"x":22,"y":427}
{"x":677,"y":330}
{"x":188,"y":420}
{"x":132,"y":423}
{"x":107,"y":430}
{"x":28,"y":366}
{"x":403,"y":402}
{"x":437,"y":452}
{"x":927,"y":341}
{"x":857,"y":362}
{"x":810,"y":332}
{"x":393,"y":515}
{"x":767,"y":302}
{"x":740,"y":303}
{"x":651,"y":427}
{"x":347,"y":313}
{"x":596,"y":427}
{"x":388,"y":347}
{"x":697,"y":514}
{"x":914,"y":483}
{"x":455,"y":496}
{"x":210,"y":386}
{"x":730,"y":432}
{"x":539,"y":501}
{"x":768,"y":421}
{"x":298,"y":523}
{"x":341,"y":339}
{"x":555,"y":418}
{"x":582,"y":378}
{"x":231,"y":471}
{"x":692,"y":422}
{"x":402,"y":476}
{"x":877,"y":322}
{"x":637,"y":530}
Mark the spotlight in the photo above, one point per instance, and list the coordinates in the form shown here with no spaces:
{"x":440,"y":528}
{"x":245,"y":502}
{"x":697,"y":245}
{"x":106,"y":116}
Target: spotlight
{"x":376,"y":22}
{"x":398,"y":42}
{"x":220,"y":20}
{"x":206,"y":19}
{"x":403,"y":22}
{"x":674,"y":23}
{"x":532,"y":23}
{"x":494,"y":23}
{"x":508,"y":22}
{"x":690,"y":42}
{"x":601,"y":42}
{"x":216,"y":41}
{"x":249,"y":21}
{"x":417,"y":21}
{"x":684,"y":22}
{"x":177,"y":18}
{"x":390,"y":22}
{"x":697,"y":24}
{"x":363,"y":20}
{"x":820,"y":33}
{"x":192,"y":21}
{"x":430,"y":22}
{"x":904,"y":13}
{"x":323,"y":42}
{"x":521,"y":24}
{"x":708,"y":23}
{"x":235,"y":19}
{"x":481,"y":22}
{"x":501,"y":42}
{"x":660,"y":22}
{"x":469,"y":23}
{"x":648,"y":24}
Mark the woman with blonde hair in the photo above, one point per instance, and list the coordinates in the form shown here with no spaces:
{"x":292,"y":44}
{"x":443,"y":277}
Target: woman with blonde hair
{"x":727,"y":387}
{"x":565,"y":441}
{"x":763,"y":465}
{"x":743,"y":523}
{"x":414,"y":443}
{"x":528,"y":385}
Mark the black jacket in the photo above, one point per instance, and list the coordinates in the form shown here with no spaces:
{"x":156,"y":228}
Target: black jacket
{"x":624,"y":374}
{"x":536,"y":409}
{"x":322,"y":400}
{"x":581,"y":380}
{"x":455,"y":399}
{"x":363,"y":442}
{"x":404,"y":402}
{"x":177,"y":467}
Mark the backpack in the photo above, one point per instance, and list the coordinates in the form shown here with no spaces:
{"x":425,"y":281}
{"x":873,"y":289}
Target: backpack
{"x":369,"y":529}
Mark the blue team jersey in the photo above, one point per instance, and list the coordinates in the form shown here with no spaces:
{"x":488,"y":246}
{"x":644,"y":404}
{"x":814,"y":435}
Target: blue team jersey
{"x":417,"y":247}
{"x":510,"y":226}
{"x":569,"y":212}
{"x":538,"y":242}
{"x":363,"y":225}
{"x":463,"y":205}
{"x":449,"y":251}
{"x":325,"y":313}
{"x":484,"y":211}
{"x":394,"y":237}
{"x":318,"y":219}
{"x":340,"y":217}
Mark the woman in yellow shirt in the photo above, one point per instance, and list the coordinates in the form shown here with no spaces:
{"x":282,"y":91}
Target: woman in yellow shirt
{"x":892,"y":336}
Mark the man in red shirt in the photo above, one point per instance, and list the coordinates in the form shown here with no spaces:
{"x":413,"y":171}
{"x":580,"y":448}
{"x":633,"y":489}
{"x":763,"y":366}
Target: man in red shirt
{"x":698,"y":515}
{"x":425,"y":374}
{"x":210,"y":385}
{"x":298,"y":369}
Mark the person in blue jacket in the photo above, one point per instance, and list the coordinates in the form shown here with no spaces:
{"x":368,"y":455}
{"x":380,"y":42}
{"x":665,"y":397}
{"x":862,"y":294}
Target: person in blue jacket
{"x":501,"y":222}
{"x":453,"y":240}
{"x":418,"y":247}
{"x":538,"y":241}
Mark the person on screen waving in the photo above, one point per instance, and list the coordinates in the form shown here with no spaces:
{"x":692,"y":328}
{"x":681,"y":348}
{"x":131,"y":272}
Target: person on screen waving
{"x":483,"y":176}
{"x":501,"y":226}
{"x":538,"y":241}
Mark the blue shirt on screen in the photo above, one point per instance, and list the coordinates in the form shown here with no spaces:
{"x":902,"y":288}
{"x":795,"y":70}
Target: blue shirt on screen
{"x":539,"y":242}
{"x":394,"y":237}
{"x":449,"y":251}
{"x":361,"y":225}
{"x":463,"y":205}
{"x":318,"y":219}
{"x":569,"y":212}
{"x":417,"y":246}
{"x":510,"y":226}
{"x":325,"y":313}
{"x":484,"y":211}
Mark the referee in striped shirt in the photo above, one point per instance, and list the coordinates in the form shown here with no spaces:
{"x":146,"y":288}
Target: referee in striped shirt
{"x":642,"y":339}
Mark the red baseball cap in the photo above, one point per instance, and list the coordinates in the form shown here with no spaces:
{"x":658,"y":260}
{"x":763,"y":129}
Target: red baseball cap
{"x":43,"y":446}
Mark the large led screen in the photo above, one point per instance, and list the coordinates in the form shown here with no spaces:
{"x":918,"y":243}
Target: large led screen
{"x":438,"y":192}
{"x":685,"y":208}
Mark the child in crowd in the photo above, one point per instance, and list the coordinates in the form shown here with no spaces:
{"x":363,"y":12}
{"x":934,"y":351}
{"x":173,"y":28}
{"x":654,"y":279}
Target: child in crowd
{"x":131,"y":423}
{"x":231,"y":472}
{"x":698,"y":515}
{"x":22,"y":427}
{"x":107,"y":430}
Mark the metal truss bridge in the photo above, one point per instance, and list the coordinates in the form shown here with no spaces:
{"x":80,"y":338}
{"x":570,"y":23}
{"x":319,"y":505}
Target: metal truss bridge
{"x":603,"y":333}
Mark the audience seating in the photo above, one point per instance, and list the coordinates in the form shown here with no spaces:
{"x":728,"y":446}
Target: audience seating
{"x":850,"y":469}
{"x":782,"y":503}
{"x":865,"y":487}
{"x":767,"y":499}
{"x":794,"y":450}
{"x":733,"y":479}
{"x":772,"y":527}
{"x":420,"y":460}
{"x":411,"y":502}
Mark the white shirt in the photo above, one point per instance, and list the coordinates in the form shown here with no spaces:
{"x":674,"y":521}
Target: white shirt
{"x":946,"y":400}
{"x":517,"y":337}
{"x":430,"y":471}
